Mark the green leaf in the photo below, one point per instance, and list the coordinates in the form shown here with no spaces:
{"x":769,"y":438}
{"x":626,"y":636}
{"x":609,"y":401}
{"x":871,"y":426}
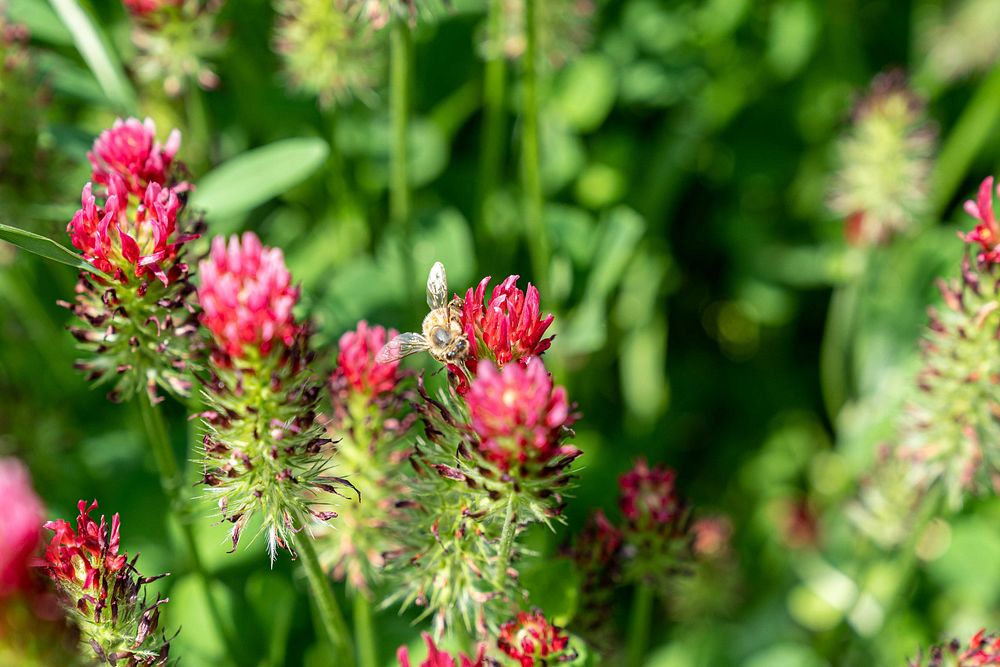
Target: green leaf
{"x":256,"y":176}
{"x":47,"y":248}
{"x":93,"y":46}
{"x":38,"y":17}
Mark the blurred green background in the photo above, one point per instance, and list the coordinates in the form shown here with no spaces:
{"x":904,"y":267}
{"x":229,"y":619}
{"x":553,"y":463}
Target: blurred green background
{"x":697,"y":275}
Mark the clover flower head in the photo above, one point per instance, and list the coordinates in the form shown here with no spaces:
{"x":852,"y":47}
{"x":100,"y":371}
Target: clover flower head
{"x":509,"y":327}
{"x":438,"y":658}
{"x":123,"y":241}
{"x":532,"y":640}
{"x":356,"y":363}
{"x":129,"y":149}
{"x":519,"y":416}
{"x":20,"y":529}
{"x":246,"y":296}
{"x":649,"y":495}
{"x":146,"y":8}
{"x":986,"y":232}
{"x":982,"y":649}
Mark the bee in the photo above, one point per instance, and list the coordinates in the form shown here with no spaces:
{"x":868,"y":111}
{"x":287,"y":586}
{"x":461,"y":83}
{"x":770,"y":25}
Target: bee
{"x":442,"y":335}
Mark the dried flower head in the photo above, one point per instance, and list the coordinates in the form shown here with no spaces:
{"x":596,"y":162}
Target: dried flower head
{"x":379,"y":12}
{"x":438,"y":658}
{"x":657,"y":534}
{"x":264,"y":449}
{"x":103,"y":592}
{"x":246,"y":296}
{"x":959,"y":42}
{"x":20,"y":531}
{"x":129,"y":150}
{"x":520,"y":418}
{"x":986,"y":232}
{"x":176,"y":40}
{"x":882,"y":184}
{"x":327,"y":52}
{"x":532,"y":640}
{"x":508,"y":327}
{"x":983,"y":649}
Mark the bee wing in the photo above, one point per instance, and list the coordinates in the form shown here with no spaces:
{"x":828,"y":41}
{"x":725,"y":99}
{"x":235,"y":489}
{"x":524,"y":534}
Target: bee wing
{"x":401,"y":346}
{"x":437,"y":287}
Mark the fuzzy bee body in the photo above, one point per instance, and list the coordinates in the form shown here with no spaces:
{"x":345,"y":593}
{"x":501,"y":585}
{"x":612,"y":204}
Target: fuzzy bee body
{"x":442,"y":334}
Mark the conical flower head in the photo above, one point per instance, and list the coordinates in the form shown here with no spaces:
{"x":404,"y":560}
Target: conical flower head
{"x":20,"y":531}
{"x":533,"y":641}
{"x":438,"y":658}
{"x":103,"y":592}
{"x":519,"y":416}
{"x":982,"y":649}
{"x":649,"y":496}
{"x":124,"y":241}
{"x":986,"y":233}
{"x":147,"y":8}
{"x":328,"y":52}
{"x":508,"y":327}
{"x":882,"y":184}
{"x":246,"y":296}
{"x":356,"y":365}
{"x":129,"y":149}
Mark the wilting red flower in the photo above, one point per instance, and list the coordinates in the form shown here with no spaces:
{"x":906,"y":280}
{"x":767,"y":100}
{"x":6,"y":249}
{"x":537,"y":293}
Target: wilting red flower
{"x":509,"y":327}
{"x":246,"y":295}
{"x":356,"y":360}
{"x":84,"y":555}
{"x":983,"y":649}
{"x":648,"y":496}
{"x":986,"y":233}
{"x":518,"y":415}
{"x":438,"y":658}
{"x":130,"y":149}
{"x":532,"y":640}
{"x":120,"y":241}
{"x":20,"y":528}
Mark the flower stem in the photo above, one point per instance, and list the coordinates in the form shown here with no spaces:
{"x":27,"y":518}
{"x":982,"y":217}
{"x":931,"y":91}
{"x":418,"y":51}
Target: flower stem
{"x":638,"y":626}
{"x":364,"y":635}
{"x":531,"y":174}
{"x":494,"y":100}
{"x":330,"y":615}
{"x":171,"y":481}
{"x":506,"y":542}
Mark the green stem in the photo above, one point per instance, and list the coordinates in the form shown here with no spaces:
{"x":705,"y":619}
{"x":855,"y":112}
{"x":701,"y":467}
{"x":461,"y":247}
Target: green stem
{"x":172,"y":481}
{"x":330,"y":615}
{"x":965,"y":141}
{"x":638,"y":626}
{"x":506,"y":542}
{"x":400,"y":66}
{"x":494,"y":102}
{"x":531,"y":174}
{"x":364,"y":635}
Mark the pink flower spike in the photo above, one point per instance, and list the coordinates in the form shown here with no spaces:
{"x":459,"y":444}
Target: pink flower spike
{"x":20,"y":529}
{"x":438,"y":658}
{"x":143,"y":8}
{"x":518,"y":415}
{"x":509,"y":326}
{"x":130,"y":150}
{"x":356,"y":363}
{"x":649,"y":496}
{"x":246,"y":295}
{"x":986,"y":232}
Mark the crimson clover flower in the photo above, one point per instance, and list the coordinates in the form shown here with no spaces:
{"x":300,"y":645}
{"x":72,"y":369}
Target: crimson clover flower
{"x":246,"y":296}
{"x":982,"y":649}
{"x":508,"y":327}
{"x":986,"y":232}
{"x":129,"y":149}
{"x":103,"y":592}
{"x":132,"y":226}
{"x":532,"y":640}
{"x":657,"y":538}
{"x":145,"y":8}
{"x":264,"y":446}
{"x":370,"y":418}
{"x":356,"y":365}
{"x":20,"y":529}
{"x":438,"y":658}
{"x":519,"y":416}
